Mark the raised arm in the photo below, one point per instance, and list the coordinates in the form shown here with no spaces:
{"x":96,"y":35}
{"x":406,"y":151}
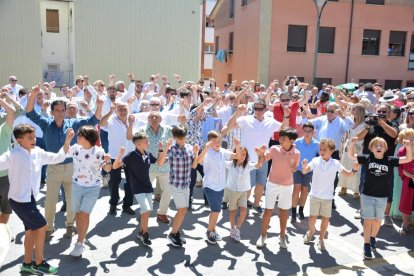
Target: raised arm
{"x":204,"y":152}
{"x":105,"y":118}
{"x":32,"y":98}
{"x":118,"y":161}
{"x":9,"y":110}
{"x":241,"y":109}
{"x":131,"y":120}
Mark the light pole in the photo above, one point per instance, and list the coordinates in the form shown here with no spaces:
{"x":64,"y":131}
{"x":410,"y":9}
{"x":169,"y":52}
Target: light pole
{"x":319,"y":5}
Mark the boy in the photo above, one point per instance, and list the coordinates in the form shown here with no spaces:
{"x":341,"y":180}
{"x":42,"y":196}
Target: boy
{"x":213,"y":158}
{"x":88,"y":161}
{"x":24,"y":163}
{"x":182,"y":158}
{"x":279,"y":187}
{"x":378,"y":168}
{"x":324,"y":172}
{"x":308,"y":148}
{"x":138,"y":163}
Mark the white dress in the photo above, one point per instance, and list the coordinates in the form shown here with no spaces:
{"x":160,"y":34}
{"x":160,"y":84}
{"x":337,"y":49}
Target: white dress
{"x":351,"y":182}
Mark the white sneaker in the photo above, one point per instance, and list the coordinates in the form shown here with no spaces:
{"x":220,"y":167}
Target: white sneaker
{"x":388,"y":221}
{"x":77,"y":250}
{"x":282,"y":243}
{"x":217,"y":236}
{"x":308,"y":238}
{"x":261,"y":242}
{"x":235,"y":233}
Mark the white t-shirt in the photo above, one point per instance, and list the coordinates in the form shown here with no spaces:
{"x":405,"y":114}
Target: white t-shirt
{"x":324,"y":173}
{"x":255,"y":133}
{"x":214,"y":169}
{"x":87,"y":164}
{"x":238,"y":178}
{"x":116,"y":135}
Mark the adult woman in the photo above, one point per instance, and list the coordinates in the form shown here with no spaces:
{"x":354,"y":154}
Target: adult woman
{"x":352,"y":183}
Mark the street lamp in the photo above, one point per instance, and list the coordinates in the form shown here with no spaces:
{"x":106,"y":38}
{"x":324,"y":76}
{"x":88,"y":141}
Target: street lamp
{"x":319,"y":5}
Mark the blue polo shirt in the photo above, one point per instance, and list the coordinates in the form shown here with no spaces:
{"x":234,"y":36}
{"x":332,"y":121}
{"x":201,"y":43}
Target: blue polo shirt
{"x":307,"y":151}
{"x":55,"y":136}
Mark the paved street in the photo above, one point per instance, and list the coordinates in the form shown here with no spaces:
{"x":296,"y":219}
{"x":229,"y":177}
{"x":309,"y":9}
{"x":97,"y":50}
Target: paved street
{"x":112,"y":247}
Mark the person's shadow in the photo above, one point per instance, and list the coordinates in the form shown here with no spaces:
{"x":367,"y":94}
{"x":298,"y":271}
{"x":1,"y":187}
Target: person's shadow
{"x":281,"y":262}
{"x":171,"y":258}
{"x":127,"y":258}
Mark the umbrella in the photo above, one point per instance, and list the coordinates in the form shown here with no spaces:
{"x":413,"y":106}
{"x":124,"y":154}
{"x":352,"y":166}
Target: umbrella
{"x":350,"y":86}
{"x":404,"y":90}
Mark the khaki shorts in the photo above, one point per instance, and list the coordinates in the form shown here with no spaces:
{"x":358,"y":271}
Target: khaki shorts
{"x":320,"y":207}
{"x":237,"y":199}
{"x":180,"y":196}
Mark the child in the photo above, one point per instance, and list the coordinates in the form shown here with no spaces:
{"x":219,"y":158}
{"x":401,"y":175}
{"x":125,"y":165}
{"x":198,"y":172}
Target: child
{"x":279,"y":187}
{"x":138,"y":163}
{"x":213,"y":157}
{"x":322,"y":189}
{"x":308,"y":148}
{"x":375,"y":189}
{"x":24,"y":163}
{"x":182,"y":157}
{"x":238,"y":184}
{"x":88,"y":160}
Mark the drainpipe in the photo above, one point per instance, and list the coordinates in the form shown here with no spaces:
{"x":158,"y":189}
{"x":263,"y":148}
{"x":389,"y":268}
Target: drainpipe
{"x":349,"y":41}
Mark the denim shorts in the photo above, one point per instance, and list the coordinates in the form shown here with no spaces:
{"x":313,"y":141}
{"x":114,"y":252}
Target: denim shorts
{"x":303,"y":179}
{"x":373,"y":207}
{"x":259,"y":176}
{"x":84,"y":198}
{"x":28,"y":213}
{"x":145,"y":202}
{"x":215,"y":199}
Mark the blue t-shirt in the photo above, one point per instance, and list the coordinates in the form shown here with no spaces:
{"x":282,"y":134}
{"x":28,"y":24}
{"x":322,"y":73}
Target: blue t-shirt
{"x":137,"y":165}
{"x":307,"y":151}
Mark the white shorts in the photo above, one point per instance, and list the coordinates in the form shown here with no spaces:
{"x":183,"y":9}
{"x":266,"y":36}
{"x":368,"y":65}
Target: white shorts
{"x":280,"y":193}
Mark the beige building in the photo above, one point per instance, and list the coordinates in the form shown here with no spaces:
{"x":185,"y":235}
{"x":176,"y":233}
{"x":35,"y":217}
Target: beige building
{"x":45,"y":40}
{"x":359,"y":40}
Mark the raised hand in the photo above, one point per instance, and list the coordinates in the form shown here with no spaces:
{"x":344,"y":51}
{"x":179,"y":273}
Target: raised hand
{"x":121,"y":151}
{"x":242,"y":108}
{"x":130,"y":76}
{"x":35,"y":91}
{"x":100,"y":101}
{"x":107,"y":157}
{"x":286,"y":111}
{"x":208,"y":144}
{"x":196,"y":149}
{"x":131,"y":99}
{"x":70,"y":133}
{"x":304,"y":163}
{"x":131,"y":119}
{"x":169,"y":143}
{"x":236,"y":142}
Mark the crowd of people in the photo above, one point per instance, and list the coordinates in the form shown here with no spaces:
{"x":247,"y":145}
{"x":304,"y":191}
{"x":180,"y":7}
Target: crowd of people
{"x":288,"y":141}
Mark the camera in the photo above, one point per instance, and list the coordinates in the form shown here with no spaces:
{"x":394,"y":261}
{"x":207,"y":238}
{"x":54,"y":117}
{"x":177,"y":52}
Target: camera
{"x":372,"y":119}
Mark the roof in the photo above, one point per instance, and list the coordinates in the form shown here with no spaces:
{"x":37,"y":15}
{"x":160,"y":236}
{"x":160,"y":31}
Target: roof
{"x":216,"y":9}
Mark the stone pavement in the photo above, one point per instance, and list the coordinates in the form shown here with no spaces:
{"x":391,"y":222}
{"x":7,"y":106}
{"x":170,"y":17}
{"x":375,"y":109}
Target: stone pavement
{"x":112,"y":247}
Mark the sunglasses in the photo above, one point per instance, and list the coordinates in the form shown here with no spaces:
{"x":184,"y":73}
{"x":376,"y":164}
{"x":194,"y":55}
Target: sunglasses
{"x":330,"y":111}
{"x":139,"y":86}
{"x":410,"y":113}
{"x":14,"y":80}
{"x":382,"y":112}
{"x":154,"y":104}
{"x":258,"y":108}
{"x":285,"y":100}
{"x":232,"y":98}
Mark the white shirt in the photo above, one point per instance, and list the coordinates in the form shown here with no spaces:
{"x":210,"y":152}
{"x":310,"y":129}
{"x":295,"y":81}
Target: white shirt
{"x":25,"y":170}
{"x":87,"y":164}
{"x":255,"y":133}
{"x":15,"y":89}
{"x":214,"y":169}
{"x":334,"y":130}
{"x":324,"y":173}
{"x":225,"y":113}
{"x":238,"y":178}
{"x":116,"y":135}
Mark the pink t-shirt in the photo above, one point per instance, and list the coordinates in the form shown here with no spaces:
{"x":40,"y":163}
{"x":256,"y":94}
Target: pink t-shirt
{"x":281,"y":170}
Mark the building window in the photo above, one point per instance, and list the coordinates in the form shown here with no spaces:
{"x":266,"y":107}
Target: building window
{"x":392,"y":84}
{"x":244,"y":3}
{"x":232,"y":6}
{"x":376,"y":2}
{"x":231,"y":42}
{"x":229,"y":78}
{"x":410,"y":84}
{"x":396,"y":45}
{"x":52,"y":21}
{"x":297,"y":38}
{"x":367,"y":81}
{"x":320,"y":81}
{"x":216,"y":45}
{"x":208,"y":49}
{"x":411,"y":55}
{"x":326,"y":40}
{"x":371,"y":42}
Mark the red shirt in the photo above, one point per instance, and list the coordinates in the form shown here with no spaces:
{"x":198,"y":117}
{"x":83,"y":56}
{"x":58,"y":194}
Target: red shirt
{"x":279,"y":116}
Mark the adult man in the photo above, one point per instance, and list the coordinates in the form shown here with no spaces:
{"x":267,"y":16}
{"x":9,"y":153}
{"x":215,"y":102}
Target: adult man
{"x":255,"y":130}
{"x":388,"y":130}
{"x":157,"y":132}
{"x":13,"y":87}
{"x":54,"y":132}
{"x":332,"y":126}
{"x":117,"y":125}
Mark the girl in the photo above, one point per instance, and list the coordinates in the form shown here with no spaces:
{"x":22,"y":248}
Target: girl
{"x":238,"y":185}
{"x":88,"y":160}
{"x":375,"y":189}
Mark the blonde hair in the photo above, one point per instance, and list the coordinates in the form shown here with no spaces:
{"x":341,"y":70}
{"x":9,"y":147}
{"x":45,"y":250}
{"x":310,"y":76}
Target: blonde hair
{"x":327,"y":142}
{"x":377,"y":140}
{"x":405,"y":134}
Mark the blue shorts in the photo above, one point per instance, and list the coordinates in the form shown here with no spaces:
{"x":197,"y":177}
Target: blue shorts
{"x":215,"y":199}
{"x":145,"y":202}
{"x":84,"y":198}
{"x":373,"y":207}
{"x":28,"y":213}
{"x":303,"y":179}
{"x":259,"y":176}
